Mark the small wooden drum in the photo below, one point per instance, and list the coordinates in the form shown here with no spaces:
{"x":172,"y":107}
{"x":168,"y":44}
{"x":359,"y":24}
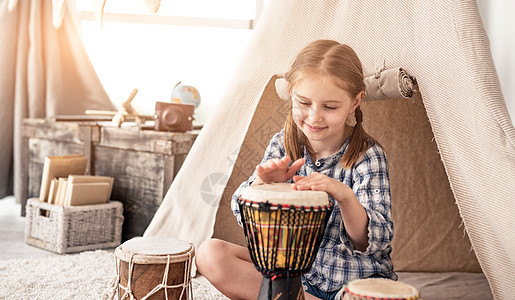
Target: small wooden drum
{"x":283,"y":229}
{"x":154,"y":268}
{"x":379,"y":289}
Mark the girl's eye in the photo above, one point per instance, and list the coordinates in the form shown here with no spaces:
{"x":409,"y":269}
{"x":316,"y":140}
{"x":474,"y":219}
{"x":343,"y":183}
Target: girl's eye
{"x":330,"y":107}
{"x":303,"y":102}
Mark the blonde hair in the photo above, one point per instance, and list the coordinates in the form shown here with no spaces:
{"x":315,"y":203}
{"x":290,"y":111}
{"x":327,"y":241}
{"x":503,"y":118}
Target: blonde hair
{"x":339,"y":62}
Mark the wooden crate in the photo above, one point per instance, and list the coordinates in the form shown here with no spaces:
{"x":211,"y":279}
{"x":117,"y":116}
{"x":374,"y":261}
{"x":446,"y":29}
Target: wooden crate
{"x":142,"y":162}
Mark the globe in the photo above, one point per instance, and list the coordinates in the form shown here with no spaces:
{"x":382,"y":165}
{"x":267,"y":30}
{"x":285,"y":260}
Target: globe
{"x":185,"y":94}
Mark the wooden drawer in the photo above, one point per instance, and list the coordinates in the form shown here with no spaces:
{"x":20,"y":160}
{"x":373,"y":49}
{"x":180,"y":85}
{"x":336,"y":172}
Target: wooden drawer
{"x":142,"y":162}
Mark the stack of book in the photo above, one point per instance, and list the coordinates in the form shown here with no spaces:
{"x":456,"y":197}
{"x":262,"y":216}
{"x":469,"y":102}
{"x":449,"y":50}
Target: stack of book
{"x":64,"y":183}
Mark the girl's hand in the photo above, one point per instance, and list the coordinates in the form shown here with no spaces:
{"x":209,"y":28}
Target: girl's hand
{"x":320,"y":182}
{"x":353,"y":214}
{"x":278,"y":170}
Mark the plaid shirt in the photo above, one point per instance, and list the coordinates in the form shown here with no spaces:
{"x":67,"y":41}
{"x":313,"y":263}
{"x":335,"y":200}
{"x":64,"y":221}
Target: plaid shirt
{"x":337,"y":261}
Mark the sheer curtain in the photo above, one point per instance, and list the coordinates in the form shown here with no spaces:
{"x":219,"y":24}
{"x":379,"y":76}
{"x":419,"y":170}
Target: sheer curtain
{"x":45,"y":71}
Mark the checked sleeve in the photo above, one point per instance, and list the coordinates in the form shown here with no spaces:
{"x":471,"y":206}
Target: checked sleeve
{"x":371,"y":185}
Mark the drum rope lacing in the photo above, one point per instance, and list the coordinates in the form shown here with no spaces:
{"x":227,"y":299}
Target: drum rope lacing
{"x":187,"y":283}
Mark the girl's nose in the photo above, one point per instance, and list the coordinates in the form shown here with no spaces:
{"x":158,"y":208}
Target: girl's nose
{"x":315,"y":114}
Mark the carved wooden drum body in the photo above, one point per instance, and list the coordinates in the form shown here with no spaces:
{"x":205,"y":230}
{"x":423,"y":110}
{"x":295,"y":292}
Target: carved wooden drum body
{"x":154,"y":268}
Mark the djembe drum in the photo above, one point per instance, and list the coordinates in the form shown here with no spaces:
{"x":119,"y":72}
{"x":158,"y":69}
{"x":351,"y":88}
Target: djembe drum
{"x":154,"y":268}
{"x":379,"y":289}
{"x":283,"y":229}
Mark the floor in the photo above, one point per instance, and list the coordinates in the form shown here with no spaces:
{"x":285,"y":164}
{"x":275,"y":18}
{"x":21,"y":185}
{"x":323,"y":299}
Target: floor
{"x":13,"y":246}
{"x":12,"y":237}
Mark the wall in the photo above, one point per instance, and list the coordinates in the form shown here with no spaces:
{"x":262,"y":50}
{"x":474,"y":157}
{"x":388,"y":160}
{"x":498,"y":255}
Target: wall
{"x":500,"y":26}
{"x":154,"y":58}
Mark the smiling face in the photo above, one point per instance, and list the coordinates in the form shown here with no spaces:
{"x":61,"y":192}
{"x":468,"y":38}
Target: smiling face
{"x":320,"y":108}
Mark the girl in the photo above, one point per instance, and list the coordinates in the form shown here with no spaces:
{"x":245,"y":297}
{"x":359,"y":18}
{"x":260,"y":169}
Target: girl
{"x":318,"y":150}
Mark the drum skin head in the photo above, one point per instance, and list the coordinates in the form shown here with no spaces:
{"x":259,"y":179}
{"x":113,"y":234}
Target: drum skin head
{"x":148,"y":250}
{"x":155,"y":246}
{"x":381,"y":288}
{"x":282,"y":193}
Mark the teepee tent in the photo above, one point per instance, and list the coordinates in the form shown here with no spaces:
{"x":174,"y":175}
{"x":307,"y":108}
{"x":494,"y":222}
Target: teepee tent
{"x":451,"y":148}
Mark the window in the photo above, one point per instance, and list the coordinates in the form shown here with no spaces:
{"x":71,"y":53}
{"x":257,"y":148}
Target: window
{"x":197,"y":42}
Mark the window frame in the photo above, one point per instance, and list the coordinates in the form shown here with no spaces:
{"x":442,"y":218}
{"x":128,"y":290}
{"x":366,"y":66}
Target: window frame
{"x":177,"y":20}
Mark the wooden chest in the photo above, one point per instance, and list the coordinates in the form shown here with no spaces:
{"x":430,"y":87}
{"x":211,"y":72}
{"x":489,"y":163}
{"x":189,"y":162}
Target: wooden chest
{"x":142,"y":162}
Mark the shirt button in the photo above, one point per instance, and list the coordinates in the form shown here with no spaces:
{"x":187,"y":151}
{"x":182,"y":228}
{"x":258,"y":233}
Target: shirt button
{"x":317,"y":163}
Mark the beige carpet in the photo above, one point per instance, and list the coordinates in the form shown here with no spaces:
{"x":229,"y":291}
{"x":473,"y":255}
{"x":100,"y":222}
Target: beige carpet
{"x":78,"y":276}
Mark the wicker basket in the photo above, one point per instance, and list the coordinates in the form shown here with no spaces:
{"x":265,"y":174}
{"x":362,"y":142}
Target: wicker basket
{"x":73,"y":229}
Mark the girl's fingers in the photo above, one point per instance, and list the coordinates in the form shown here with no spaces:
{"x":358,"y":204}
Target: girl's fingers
{"x":279,"y":164}
{"x":309,"y":187}
{"x":300,"y":187}
{"x":297,"y":178}
{"x":319,"y":187}
{"x":270,"y":164}
{"x":295,"y":167}
{"x":314,"y":181}
{"x":279,"y":170}
{"x":302,"y":184}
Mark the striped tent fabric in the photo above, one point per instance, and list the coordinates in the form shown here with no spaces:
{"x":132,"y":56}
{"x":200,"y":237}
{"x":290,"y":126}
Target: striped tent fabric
{"x":441,"y":43}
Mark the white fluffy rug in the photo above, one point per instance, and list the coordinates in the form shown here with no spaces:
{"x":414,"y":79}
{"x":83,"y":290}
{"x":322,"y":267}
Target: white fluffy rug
{"x":79,"y":276}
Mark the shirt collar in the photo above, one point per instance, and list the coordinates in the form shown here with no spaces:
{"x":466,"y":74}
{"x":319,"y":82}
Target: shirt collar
{"x":326,"y":162}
